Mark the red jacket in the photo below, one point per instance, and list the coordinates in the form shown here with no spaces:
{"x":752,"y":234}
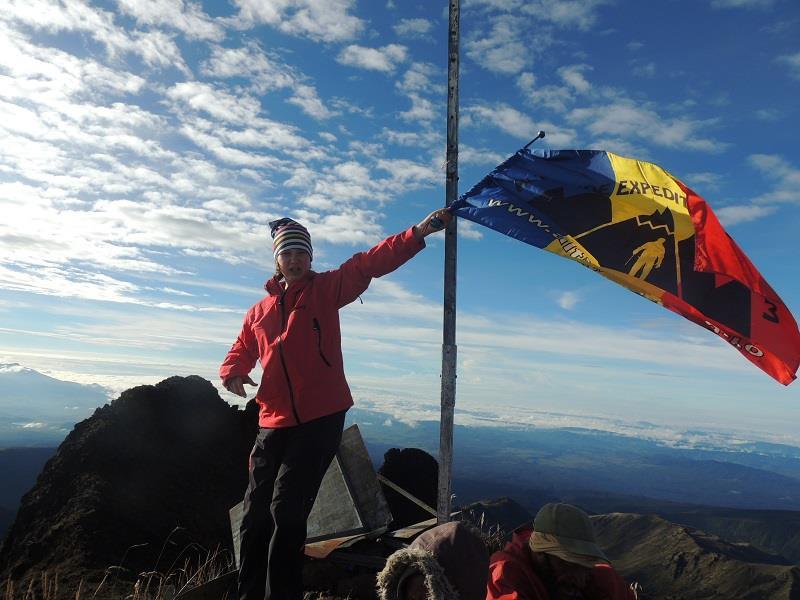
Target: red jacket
{"x":512,"y":576}
{"x":295,"y":333}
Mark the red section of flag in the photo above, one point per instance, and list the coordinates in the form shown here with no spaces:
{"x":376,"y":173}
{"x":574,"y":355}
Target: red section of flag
{"x":773,"y":343}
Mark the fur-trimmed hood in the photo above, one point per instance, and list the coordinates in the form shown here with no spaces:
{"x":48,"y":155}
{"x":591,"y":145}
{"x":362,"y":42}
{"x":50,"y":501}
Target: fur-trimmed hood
{"x":453,"y":559}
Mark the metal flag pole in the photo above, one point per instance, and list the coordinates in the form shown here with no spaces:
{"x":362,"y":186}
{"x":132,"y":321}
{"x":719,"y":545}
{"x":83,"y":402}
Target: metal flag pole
{"x":449,"y":325}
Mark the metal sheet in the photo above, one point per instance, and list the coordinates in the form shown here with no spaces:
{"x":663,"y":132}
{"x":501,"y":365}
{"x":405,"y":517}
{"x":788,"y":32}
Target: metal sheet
{"x":363,"y":481}
{"x":334,"y":513}
{"x":350,"y":499}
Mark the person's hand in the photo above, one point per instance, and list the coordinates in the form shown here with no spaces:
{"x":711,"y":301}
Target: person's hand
{"x":235,"y":385}
{"x":424,"y":228}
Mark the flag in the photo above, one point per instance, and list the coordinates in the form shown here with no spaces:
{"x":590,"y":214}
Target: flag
{"x":634,"y":223}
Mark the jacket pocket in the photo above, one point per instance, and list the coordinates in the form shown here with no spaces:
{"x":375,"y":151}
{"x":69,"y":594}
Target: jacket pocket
{"x":318,"y":329}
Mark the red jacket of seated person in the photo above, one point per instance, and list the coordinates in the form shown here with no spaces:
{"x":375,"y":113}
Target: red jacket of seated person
{"x":513,"y":576}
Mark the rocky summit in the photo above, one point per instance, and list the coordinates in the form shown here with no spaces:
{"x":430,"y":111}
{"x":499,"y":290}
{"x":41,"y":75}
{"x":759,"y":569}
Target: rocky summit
{"x":141,"y":485}
{"x":145,"y":484}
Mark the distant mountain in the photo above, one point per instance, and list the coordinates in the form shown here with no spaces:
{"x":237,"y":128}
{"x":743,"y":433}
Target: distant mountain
{"x":38,"y":410}
{"x":673,"y":562}
{"x":568,"y":461}
{"x":147,"y":479}
{"x":774,"y":531}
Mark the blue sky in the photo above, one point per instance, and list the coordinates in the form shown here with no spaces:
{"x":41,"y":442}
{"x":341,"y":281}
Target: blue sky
{"x":147,"y":143}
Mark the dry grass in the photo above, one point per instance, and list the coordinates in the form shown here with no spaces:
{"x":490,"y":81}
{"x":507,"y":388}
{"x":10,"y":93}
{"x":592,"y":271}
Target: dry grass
{"x":493,"y":537}
{"x":197,"y":570}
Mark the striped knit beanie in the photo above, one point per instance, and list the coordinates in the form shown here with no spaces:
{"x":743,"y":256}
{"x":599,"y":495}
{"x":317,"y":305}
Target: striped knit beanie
{"x":288,"y":234}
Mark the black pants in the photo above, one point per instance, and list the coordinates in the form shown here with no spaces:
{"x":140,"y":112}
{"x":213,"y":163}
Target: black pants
{"x":286,"y":470}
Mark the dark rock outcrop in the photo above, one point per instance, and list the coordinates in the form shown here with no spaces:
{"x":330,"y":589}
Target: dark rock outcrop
{"x":417,"y":472}
{"x":143,"y":483}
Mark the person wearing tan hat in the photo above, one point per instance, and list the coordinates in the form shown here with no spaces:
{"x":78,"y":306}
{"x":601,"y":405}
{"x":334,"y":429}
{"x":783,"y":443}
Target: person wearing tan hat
{"x":294,"y":332}
{"x":557,"y":559}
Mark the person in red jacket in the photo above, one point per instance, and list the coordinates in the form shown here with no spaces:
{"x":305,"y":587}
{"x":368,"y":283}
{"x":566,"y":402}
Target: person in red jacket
{"x":557,"y":559}
{"x":303,"y":395}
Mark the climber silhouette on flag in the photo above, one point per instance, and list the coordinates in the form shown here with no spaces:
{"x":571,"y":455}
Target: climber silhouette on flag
{"x":634,"y":223}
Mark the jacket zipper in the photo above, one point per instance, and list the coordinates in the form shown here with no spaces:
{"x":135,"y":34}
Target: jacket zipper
{"x":318,"y":329}
{"x":283,"y":359}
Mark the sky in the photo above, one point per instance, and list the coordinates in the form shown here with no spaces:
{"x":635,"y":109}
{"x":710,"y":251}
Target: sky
{"x":146,"y":144}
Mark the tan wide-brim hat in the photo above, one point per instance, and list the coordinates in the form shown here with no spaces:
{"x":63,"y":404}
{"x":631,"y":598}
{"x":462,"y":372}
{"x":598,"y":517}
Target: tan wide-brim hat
{"x":565,"y":531}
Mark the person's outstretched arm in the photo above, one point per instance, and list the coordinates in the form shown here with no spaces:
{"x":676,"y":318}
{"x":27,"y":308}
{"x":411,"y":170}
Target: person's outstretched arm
{"x":354,"y":276}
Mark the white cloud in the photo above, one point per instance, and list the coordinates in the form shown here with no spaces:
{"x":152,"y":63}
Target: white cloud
{"x":568,"y":300}
{"x":707,"y":180}
{"x":785,"y":178}
{"x":306,"y":97}
{"x":215,"y":102}
{"x":79,"y":147}
{"x":556,"y":97}
{"x":628,"y":120}
{"x":74,"y":15}
{"x":784,"y":185}
{"x":572,"y":75}
{"x":516,"y":31}
{"x":155,"y":47}
{"x":742,"y":3}
{"x":503,"y":49}
{"x":580,"y":14}
{"x":732,"y":215}
{"x":383,"y":59}
{"x":506,"y":118}
{"x":413,"y":27}
{"x":416,"y":81}
{"x":515,"y":123}
{"x":468,"y":230}
{"x":265,"y":73}
{"x":328,"y":137}
{"x":158,"y":49}
{"x":422,"y":109}
{"x":526,"y":82}
{"x":410,"y":174}
{"x":423,"y":138}
{"x":42,"y":73}
{"x":320,"y":20}
{"x":422,"y":77}
{"x":70,"y":283}
{"x":236,"y":157}
{"x":187,"y":17}
{"x":769,"y":114}
{"x":352,"y":187}
{"x":506,"y":5}
{"x":640,"y":69}
{"x":793,"y":62}
{"x":478,"y":156}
